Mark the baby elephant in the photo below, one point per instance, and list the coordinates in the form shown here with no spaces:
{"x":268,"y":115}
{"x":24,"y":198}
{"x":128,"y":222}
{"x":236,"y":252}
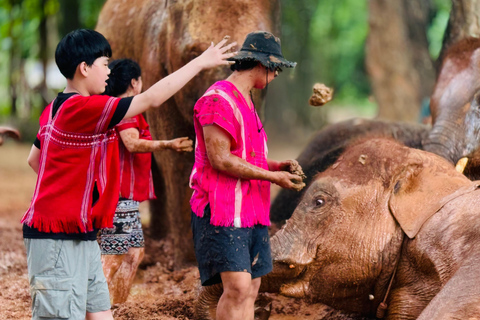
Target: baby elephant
{"x":386,"y":229}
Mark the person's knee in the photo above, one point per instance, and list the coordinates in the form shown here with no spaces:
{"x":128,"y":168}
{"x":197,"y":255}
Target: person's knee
{"x":237,"y":291}
{"x":134,"y":256}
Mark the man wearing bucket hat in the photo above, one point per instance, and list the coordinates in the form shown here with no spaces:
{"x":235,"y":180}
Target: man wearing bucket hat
{"x":231,"y":179}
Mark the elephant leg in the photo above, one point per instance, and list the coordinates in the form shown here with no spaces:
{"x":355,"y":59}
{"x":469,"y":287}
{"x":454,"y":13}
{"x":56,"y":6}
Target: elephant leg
{"x":171,"y":171}
{"x":206,"y":305}
{"x":459,"y":297}
{"x":176,"y":172}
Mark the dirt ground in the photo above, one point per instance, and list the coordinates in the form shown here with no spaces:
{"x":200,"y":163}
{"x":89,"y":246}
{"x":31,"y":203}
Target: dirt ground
{"x":159,"y":293}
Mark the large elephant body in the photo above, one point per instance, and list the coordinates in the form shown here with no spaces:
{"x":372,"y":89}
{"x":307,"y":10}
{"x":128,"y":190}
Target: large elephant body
{"x":384,"y":215}
{"x":162,"y":36}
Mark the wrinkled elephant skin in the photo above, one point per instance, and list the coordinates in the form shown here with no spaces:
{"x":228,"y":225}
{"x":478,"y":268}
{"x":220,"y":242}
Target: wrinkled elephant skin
{"x":381,"y":203}
{"x":163,"y":36}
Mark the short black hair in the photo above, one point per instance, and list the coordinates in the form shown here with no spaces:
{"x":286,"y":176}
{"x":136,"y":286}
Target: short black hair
{"x":121,"y":75}
{"x":242,"y":65}
{"x":78,"y":46}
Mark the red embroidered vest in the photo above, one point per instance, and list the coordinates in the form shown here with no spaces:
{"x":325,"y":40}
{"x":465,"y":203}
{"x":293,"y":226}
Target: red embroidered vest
{"x":77,"y":152}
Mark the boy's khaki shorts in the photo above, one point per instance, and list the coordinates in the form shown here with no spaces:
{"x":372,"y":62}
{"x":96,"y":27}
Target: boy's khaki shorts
{"x":66,"y":278}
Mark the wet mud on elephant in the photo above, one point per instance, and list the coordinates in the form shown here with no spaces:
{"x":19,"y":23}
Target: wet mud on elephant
{"x":162,"y":36}
{"x":384,"y":214}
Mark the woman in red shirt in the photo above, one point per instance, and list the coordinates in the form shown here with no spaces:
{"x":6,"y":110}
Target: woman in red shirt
{"x":123,"y":245}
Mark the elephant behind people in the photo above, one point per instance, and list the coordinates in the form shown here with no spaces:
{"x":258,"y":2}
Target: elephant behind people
{"x":162,"y":36}
{"x":384,"y":224}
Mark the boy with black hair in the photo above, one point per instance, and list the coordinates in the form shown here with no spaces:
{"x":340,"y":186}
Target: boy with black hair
{"x":76,"y":158}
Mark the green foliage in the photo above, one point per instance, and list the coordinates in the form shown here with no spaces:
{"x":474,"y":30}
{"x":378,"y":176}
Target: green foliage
{"x":337,"y":35}
{"x":437,"y":26}
{"x":89,"y":11}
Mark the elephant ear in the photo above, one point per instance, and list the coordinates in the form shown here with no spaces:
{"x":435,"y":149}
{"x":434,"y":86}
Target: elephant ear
{"x":420,"y":190}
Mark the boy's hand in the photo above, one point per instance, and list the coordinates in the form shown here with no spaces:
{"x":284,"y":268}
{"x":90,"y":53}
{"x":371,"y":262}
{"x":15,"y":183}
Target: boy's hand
{"x":217,"y":55}
{"x":288,"y":181}
{"x":181,"y":144}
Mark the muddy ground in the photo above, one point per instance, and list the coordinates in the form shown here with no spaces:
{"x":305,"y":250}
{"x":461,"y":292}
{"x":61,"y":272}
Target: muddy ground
{"x":159,"y":293}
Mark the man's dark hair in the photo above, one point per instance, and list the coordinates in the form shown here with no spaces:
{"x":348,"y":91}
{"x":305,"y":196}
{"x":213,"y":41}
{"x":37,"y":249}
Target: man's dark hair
{"x":242,"y":65}
{"x":78,"y":46}
{"x":121,"y":75}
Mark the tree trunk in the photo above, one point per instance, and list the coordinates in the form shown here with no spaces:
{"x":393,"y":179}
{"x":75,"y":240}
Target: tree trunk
{"x":397,"y":57}
{"x":43,"y":54}
{"x":13,"y":66}
{"x":69,"y":13}
{"x":463,"y":22}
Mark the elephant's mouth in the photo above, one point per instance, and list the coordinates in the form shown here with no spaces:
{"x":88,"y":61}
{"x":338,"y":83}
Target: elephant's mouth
{"x":298,"y":284}
{"x":290,"y":279}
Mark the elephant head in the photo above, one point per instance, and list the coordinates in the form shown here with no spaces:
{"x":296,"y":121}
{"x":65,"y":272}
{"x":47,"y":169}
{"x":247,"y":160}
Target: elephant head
{"x":455,"y":108}
{"x":367,"y":213}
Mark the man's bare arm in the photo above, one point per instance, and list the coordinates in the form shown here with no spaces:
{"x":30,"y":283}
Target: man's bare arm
{"x":217,"y":143}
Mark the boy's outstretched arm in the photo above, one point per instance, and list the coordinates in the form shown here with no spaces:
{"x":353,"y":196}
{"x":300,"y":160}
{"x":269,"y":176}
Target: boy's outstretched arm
{"x":165,"y":88}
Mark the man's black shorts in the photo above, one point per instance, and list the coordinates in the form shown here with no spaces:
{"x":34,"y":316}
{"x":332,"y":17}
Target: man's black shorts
{"x":220,"y":249}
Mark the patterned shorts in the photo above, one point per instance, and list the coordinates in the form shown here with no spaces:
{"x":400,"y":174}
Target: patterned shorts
{"x":126,"y":232}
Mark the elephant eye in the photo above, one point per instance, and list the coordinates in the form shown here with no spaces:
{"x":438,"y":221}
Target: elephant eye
{"x":319,"y":202}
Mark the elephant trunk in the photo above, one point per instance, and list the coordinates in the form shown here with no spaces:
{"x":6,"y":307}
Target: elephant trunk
{"x":290,"y":256}
{"x":290,"y":245}
{"x":446,"y":141}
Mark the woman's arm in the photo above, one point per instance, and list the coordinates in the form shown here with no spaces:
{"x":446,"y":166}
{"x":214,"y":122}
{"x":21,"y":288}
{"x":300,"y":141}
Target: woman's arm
{"x":131,"y":139}
{"x":217,"y":143}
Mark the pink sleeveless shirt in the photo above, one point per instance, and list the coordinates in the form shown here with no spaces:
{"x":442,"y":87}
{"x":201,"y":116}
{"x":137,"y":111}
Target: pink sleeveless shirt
{"x":233,"y":201}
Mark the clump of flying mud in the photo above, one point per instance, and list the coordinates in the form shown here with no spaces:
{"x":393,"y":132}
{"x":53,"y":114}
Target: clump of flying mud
{"x":321,"y":95}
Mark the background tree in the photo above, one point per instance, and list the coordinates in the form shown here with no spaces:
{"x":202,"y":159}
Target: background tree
{"x":398,"y":60}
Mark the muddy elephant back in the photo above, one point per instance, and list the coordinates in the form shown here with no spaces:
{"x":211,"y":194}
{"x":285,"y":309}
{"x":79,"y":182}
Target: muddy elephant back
{"x":329,"y":143}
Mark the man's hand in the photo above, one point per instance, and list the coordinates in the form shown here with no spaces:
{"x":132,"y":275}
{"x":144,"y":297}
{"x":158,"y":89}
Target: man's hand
{"x":291,"y":166}
{"x":288,"y":180}
{"x":216,"y":55}
{"x":182,"y":144}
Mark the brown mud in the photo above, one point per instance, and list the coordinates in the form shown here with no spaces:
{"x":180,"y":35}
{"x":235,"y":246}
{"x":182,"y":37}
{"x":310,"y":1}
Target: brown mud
{"x":158,"y":293}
